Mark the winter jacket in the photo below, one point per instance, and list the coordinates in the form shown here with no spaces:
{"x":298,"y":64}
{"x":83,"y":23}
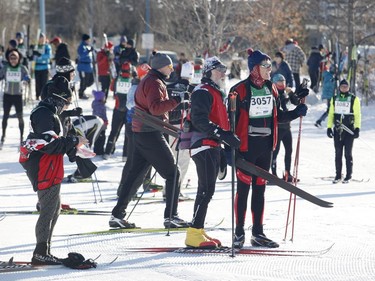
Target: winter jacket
{"x":42,"y":153}
{"x":345,"y":108}
{"x":99,"y":109}
{"x":85,"y":57}
{"x":13,"y":78}
{"x":208,"y":112}
{"x":294,"y":56}
{"x":284,"y":69}
{"x":131,"y":55}
{"x":102,"y":59}
{"x":42,"y":61}
{"x":151,"y":96}
{"x":244,"y":90}
{"x":313,"y":62}
{"x":329,"y":84}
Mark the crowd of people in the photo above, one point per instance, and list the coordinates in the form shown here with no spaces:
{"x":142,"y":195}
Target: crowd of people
{"x":196,"y":103}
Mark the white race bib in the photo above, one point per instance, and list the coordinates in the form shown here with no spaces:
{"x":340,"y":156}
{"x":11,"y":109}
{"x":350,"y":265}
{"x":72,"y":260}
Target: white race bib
{"x":197,"y":77}
{"x":123,"y":85}
{"x":261,"y":104}
{"x":342,"y":107}
{"x":13,"y":75}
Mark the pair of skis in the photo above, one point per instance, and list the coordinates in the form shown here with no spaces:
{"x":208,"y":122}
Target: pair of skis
{"x":240,"y":163}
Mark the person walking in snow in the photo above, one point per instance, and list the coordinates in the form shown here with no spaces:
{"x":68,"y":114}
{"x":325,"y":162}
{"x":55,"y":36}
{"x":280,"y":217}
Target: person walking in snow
{"x":257,"y":115}
{"x":104,"y":58}
{"x":328,"y":89}
{"x":15,"y":74}
{"x":313,"y":64}
{"x":150,"y":146}
{"x":284,"y":134}
{"x":210,"y":127}
{"x":85,"y":67}
{"x":44,"y":148}
{"x":344,"y":123}
{"x":42,"y":56}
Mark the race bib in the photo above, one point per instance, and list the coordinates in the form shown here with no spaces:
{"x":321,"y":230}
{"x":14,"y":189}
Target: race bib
{"x":261,"y":103}
{"x":123,"y":85}
{"x":13,"y":75}
{"x":342,"y":107}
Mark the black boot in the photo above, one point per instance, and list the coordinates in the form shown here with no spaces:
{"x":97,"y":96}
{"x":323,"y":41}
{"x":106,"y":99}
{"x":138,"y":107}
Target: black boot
{"x":41,"y":256}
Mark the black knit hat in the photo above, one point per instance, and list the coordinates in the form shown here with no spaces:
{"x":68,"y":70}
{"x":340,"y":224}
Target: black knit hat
{"x":64,"y":65}
{"x":60,"y":89}
{"x":344,"y":82}
{"x":85,"y":37}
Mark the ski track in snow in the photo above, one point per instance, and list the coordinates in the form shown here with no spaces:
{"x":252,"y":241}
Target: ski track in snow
{"x":349,"y":224}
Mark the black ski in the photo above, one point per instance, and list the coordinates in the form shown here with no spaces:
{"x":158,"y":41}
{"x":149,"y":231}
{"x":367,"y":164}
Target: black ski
{"x":255,"y":170}
{"x":63,"y":212}
{"x":331,"y":178}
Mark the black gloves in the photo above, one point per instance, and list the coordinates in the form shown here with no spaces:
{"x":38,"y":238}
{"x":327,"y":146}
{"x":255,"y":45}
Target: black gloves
{"x":77,"y":261}
{"x":300,"y":93}
{"x":300,"y":110}
{"x":356,"y":133}
{"x":227,"y":137}
{"x":36,"y":53}
{"x":180,"y":96}
{"x":76,"y":111}
{"x":329,"y":133}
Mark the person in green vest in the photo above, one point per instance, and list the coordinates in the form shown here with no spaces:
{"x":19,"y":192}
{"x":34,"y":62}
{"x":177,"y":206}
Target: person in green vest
{"x":344,"y":123}
{"x":15,"y":74}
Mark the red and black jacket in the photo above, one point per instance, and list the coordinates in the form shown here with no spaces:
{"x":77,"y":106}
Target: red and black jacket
{"x":42,"y":152}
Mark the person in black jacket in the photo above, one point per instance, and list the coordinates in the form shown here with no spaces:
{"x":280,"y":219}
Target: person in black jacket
{"x":43,"y":149}
{"x":61,"y":49}
{"x":129,"y":54}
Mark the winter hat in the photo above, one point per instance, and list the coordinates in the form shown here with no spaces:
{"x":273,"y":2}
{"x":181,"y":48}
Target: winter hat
{"x":123,"y":39}
{"x":187,"y":70}
{"x":64,"y":65}
{"x":130,"y":42}
{"x":13,"y":43}
{"x":159,"y":60}
{"x":289,"y":41}
{"x":98,"y":95}
{"x":85,"y":37}
{"x":125,"y":69}
{"x":344,"y":82}
{"x":279,"y":55}
{"x":278,"y":77}
{"x":109,"y":45}
{"x":56,"y":40}
{"x":212,"y":63}
{"x":59,"y":89}
{"x":19,"y":35}
{"x":255,"y":58}
{"x":142,"y":70}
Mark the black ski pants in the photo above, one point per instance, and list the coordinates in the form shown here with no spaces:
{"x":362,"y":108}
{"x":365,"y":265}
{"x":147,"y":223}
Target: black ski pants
{"x":285,"y":137}
{"x":150,"y":148}
{"x":118,"y":119}
{"x":86,"y":80}
{"x":343,"y":143}
{"x":41,"y":79}
{"x":207,"y":163}
{"x":260,"y":154}
{"x":8,"y":102}
{"x":105,"y":81}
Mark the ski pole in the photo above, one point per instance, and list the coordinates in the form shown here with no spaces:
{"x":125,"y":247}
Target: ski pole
{"x":232,"y":105}
{"x":143,"y":192}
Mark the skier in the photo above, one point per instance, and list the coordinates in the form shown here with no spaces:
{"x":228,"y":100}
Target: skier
{"x":210,"y":126}
{"x":84,"y":66}
{"x":61,"y":49}
{"x":313,"y":63}
{"x":344,"y":123}
{"x":129,"y":53}
{"x":44,"y":148}
{"x":122,"y":85}
{"x":150,"y":146}
{"x":22,"y":48}
{"x":117,"y":50}
{"x":295,"y":56}
{"x":42,"y":56}
{"x":284,"y":133}
{"x":257,"y":117}
{"x":15,"y":74}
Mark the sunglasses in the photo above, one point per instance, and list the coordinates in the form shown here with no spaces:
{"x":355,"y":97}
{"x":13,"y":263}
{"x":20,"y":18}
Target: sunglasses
{"x":170,"y":67}
{"x":266,"y":65}
{"x":13,"y":58}
{"x":221,"y":69}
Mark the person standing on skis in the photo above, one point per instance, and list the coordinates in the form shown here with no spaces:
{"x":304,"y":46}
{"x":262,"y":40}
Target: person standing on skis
{"x":344,"y":123}
{"x":257,"y":116}
{"x":42,"y":157}
{"x":210,"y":127}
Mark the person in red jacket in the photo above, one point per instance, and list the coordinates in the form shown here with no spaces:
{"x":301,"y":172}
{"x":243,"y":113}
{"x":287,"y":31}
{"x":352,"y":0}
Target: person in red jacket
{"x":257,"y":116}
{"x":104,"y":58}
{"x":150,"y":145}
{"x":209,"y":125}
{"x":42,"y":157}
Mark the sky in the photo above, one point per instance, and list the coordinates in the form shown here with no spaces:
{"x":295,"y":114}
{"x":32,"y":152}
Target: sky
{"x":349,"y":226}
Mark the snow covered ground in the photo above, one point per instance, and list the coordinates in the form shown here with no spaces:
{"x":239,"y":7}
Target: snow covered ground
{"x":349,"y":225}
